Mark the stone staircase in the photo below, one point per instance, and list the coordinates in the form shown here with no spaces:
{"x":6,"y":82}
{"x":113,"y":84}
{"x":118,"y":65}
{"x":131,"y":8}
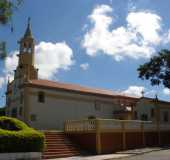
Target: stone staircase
{"x":58,"y":145}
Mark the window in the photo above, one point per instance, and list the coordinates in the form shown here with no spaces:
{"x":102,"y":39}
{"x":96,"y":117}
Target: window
{"x":33,"y":117}
{"x":41,"y":97}
{"x":135,"y":115}
{"x":14,"y":112}
{"x":97,"y":106}
{"x":21,"y":98}
{"x":20,"y":66}
{"x":25,"y":45}
{"x":8,"y":101}
{"x":165,"y":116}
{"x":29,"y":50}
{"x":20,"y":111}
{"x":144,"y":117}
{"x":152,"y":113}
{"x":91,"y":117}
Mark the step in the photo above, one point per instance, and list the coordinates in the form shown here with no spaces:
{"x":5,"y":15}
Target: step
{"x":57,"y":140}
{"x":58,"y":145}
{"x":58,"y":152}
{"x":54,"y":137}
{"x":61,"y":149}
{"x":55,"y":134}
{"x":58,"y":156}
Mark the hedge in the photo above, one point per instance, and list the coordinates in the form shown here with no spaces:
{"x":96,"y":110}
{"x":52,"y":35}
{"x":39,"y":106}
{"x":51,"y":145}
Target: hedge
{"x":16,"y":136}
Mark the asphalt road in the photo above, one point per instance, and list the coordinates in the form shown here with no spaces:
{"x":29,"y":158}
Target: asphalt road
{"x":156,"y":155}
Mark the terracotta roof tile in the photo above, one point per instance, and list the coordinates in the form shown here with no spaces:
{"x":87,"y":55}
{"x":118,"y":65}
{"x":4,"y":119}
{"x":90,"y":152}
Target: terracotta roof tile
{"x":76,"y":88}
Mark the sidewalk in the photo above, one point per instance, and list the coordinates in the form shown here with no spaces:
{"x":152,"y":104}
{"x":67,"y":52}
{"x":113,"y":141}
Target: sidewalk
{"x":115,"y":156}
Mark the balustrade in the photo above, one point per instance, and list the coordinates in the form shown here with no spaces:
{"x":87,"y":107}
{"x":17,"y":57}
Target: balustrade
{"x":91,"y":125}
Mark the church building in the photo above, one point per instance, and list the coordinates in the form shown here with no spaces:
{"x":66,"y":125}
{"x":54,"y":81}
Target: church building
{"x":45,"y":104}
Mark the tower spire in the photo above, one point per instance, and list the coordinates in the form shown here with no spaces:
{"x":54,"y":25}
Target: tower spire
{"x":26,"y":68}
{"x":28,"y":32}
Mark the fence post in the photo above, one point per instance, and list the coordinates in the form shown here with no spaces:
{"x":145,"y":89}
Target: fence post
{"x":159,"y":135}
{"x":65,"y":128}
{"x":98,"y":137}
{"x":123,"y":135}
{"x":143,"y":133}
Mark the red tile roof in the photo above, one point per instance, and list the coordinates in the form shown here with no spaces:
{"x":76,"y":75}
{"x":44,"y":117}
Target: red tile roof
{"x":75,"y":88}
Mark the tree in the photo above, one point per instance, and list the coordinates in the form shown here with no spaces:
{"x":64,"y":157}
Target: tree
{"x":157,"y":70}
{"x":7,"y":9}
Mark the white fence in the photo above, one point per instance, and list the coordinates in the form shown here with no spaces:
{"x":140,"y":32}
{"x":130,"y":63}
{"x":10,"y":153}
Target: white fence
{"x":102,"y":125}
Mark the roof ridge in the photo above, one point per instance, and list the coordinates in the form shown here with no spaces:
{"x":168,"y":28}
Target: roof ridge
{"x":77,"y":88}
{"x":73,"y":84}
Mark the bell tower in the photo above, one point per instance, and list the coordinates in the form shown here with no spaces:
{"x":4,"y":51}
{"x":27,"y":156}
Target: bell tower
{"x":26,"y":68}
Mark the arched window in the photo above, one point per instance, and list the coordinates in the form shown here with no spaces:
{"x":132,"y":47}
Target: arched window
{"x":14,"y":112}
{"x":152,"y":113}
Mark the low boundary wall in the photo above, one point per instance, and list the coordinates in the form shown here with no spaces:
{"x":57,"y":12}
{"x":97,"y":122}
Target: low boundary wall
{"x":107,"y":136}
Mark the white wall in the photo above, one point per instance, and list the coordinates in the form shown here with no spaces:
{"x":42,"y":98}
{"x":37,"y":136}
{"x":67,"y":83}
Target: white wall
{"x":167,"y":109}
{"x":144,"y":107}
{"x":55,"y":110}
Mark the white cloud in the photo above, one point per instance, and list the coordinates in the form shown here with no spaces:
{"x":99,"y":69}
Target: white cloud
{"x":166,"y":91}
{"x":84,"y":66}
{"x":49,"y":58}
{"x":150,"y":93}
{"x":147,"y":24}
{"x":136,"y":40}
{"x":134,"y":91}
{"x":166,"y":37}
{"x":10,"y":64}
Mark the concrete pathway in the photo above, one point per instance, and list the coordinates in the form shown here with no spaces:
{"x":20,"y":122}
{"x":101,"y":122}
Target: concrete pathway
{"x":163,"y":154}
{"x":118,"y":155}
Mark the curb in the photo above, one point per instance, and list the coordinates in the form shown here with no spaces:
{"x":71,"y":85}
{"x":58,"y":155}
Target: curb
{"x":135,"y":154}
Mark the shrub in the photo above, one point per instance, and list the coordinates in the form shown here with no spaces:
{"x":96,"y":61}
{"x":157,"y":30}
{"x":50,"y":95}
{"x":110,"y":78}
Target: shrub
{"x":16,"y":136}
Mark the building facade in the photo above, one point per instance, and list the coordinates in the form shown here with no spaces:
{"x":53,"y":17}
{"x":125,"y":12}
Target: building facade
{"x":153,"y":110}
{"x":44,"y":104}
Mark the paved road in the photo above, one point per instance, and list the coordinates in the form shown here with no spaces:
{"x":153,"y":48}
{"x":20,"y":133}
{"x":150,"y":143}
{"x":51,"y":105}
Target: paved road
{"x":157,"y":155}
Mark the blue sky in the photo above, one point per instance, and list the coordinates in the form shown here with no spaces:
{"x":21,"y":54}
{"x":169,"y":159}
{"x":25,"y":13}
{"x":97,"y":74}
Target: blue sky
{"x":97,"y":43}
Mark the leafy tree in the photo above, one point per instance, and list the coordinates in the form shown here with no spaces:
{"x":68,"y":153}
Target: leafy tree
{"x":7,"y":8}
{"x":157,"y":70}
